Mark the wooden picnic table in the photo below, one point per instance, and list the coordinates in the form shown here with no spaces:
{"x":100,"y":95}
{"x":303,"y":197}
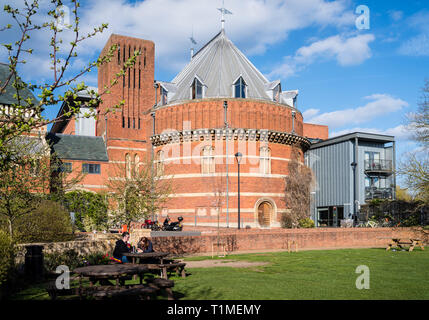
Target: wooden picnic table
{"x":141,"y":256}
{"x":107,"y":272}
{"x":399,"y":242}
{"x":160,"y":265}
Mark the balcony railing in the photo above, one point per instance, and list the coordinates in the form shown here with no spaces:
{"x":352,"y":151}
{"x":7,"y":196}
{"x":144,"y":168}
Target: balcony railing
{"x":378,"y":165}
{"x":378,"y":193}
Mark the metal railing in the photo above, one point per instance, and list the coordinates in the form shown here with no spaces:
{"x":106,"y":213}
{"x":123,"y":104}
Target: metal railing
{"x":378,"y":193}
{"x":378,"y":165}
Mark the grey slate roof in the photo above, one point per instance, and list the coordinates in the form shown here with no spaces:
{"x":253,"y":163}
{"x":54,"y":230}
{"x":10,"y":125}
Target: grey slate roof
{"x":73,"y":147}
{"x":218,"y":65}
{"x":6,"y":98}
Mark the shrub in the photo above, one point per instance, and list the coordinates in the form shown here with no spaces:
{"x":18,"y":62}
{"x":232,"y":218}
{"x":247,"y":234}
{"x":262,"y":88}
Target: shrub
{"x":306,"y":223}
{"x":90,"y":209}
{"x":6,"y":258}
{"x":47,"y":223}
{"x":69,"y":258}
{"x":96,"y":259}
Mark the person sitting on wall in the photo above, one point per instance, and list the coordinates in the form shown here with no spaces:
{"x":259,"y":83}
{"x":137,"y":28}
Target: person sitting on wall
{"x":144,"y":245}
{"x":122,"y":247}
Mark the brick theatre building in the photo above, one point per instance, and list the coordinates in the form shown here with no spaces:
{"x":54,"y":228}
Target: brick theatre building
{"x":218,"y":106}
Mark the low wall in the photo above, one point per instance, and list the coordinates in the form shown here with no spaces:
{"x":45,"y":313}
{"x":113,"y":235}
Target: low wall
{"x":246,"y":240}
{"x":260,"y":240}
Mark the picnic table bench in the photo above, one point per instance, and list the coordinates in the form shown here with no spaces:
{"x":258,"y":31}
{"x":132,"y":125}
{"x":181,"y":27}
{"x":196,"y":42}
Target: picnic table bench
{"x":399,"y":242}
{"x":164,"y":266}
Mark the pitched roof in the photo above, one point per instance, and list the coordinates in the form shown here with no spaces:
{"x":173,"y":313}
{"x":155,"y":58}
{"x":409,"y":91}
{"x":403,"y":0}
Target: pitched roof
{"x":218,"y":64}
{"x":6,"y":98}
{"x":73,"y":147}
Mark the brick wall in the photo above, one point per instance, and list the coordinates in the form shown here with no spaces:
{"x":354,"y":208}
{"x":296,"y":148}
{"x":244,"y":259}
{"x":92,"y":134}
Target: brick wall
{"x":245,"y":240}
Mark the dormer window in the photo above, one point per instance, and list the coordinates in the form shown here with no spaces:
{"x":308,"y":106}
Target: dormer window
{"x":240,"y":88}
{"x":164,"y":97}
{"x":197,"y":89}
{"x":277,"y":91}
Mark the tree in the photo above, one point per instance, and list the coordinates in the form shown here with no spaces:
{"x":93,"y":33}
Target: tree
{"x":415,"y":168}
{"x":90,"y":209}
{"x":25,"y":114}
{"x":298,"y":185}
{"x":25,"y":184}
{"x":136,"y":192}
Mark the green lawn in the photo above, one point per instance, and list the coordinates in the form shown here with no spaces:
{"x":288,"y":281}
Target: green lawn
{"x":328,"y":274}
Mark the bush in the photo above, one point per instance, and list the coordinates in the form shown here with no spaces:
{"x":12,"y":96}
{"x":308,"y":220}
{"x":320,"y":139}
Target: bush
{"x":49,"y":222}
{"x":6,"y":258}
{"x":73,"y":260}
{"x":306,"y":223}
{"x":90,"y":209}
{"x":69,"y":258}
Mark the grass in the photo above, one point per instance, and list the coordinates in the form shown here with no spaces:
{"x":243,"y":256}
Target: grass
{"x":327,"y":274}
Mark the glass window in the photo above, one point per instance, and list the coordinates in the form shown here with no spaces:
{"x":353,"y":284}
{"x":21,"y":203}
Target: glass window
{"x":164,"y":99}
{"x":197,"y":89}
{"x":264,"y":160}
{"x":207,"y":160}
{"x":277,"y":93}
{"x":91,"y":168}
{"x":66,"y":167}
{"x":159,"y":163}
{"x":240,"y":88}
{"x":128,"y":166}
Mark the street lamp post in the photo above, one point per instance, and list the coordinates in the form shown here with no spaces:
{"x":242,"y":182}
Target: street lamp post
{"x":238,"y":156}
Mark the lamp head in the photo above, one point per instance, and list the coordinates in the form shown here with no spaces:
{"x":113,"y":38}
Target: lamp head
{"x":238,"y":156}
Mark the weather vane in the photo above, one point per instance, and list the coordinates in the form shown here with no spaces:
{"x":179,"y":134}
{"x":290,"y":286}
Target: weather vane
{"x":224,"y":12}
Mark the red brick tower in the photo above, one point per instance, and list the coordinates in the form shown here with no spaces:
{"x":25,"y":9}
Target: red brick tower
{"x":126,"y":132}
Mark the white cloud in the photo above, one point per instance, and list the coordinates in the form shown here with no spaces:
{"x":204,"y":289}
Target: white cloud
{"x":400,"y":132}
{"x":349,"y":51}
{"x":309,"y":113}
{"x":396,"y":15}
{"x":254,"y":25}
{"x":419,"y":44}
{"x":379,"y":105}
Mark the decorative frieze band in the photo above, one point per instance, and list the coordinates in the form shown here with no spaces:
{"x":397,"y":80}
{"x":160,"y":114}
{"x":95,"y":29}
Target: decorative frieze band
{"x":230,"y":134}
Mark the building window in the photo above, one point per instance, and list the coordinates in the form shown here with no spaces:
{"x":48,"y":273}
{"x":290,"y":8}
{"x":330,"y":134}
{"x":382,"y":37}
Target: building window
{"x":207,"y":160}
{"x":128,"y":166}
{"x":136,"y":163}
{"x":159,"y":163}
{"x":240,"y":88}
{"x":164,"y":93}
{"x":119,"y":54}
{"x":65,"y":167}
{"x":197,"y":89}
{"x":264,"y":160}
{"x":91,"y":168}
{"x":277,"y":91}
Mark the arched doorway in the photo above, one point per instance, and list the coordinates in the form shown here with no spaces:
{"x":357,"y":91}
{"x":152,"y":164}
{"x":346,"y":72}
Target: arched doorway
{"x":265,"y":210}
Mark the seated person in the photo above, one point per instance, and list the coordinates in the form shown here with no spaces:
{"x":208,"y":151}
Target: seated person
{"x":122,"y":247}
{"x":144,"y":245}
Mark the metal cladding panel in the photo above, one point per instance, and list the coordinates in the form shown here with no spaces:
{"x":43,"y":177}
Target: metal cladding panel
{"x":331,"y":166}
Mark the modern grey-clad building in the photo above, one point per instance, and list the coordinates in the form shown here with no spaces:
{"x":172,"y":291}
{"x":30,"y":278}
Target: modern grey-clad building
{"x":350,"y":170}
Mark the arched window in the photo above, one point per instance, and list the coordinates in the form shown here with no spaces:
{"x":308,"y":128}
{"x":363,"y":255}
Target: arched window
{"x":159,"y":163}
{"x":128,"y":166}
{"x":264,"y":160}
{"x":136,"y":164}
{"x":197,"y":89}
{"x":240,"y":88}
{"x":207,"y":160}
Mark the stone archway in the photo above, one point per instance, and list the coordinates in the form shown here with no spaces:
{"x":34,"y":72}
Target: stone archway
{"x":265,"y":211}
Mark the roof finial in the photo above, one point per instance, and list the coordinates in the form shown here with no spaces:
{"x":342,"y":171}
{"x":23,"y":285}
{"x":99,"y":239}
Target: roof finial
{"x":193,"y":42}
{"x":224,"y":12}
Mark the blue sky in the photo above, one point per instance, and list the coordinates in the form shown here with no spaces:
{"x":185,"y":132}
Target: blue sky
{"x":348,"y":78}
